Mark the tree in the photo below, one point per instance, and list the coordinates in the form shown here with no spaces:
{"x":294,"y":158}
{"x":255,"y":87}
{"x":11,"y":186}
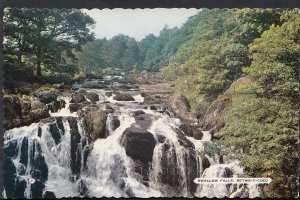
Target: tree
{"x":275,"y":60}
{"x":46,"y":36}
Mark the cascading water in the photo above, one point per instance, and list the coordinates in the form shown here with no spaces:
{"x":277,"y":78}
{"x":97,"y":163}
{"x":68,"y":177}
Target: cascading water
{"x":56,"y":157}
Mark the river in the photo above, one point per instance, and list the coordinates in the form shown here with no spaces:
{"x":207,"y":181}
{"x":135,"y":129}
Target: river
{"x":40,"y":165}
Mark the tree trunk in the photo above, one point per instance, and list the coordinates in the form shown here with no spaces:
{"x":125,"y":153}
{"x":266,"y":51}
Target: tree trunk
{"x":38,"y":70}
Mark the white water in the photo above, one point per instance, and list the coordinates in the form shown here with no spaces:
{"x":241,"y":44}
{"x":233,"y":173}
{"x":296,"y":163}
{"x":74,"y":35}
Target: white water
{"x":64,"y":112}
{"x":110,"y":171}
{"x":107,"y":163}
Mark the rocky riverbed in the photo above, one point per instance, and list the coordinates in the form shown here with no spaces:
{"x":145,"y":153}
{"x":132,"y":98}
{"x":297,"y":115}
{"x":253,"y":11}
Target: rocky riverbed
{"x":110,"y":138}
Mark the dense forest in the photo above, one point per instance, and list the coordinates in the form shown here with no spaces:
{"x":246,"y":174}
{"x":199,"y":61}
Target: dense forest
{"x":264,"y":119}
{"x":204,"y":57}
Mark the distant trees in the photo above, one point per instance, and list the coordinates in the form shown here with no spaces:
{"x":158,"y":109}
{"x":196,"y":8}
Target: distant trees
{"x":44,"y":37}
{"x":125,"y":53}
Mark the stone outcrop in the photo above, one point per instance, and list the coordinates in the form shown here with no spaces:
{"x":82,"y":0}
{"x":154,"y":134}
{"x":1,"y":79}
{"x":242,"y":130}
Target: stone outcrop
{"x":180,"y":106}
{"x":215,"y":113}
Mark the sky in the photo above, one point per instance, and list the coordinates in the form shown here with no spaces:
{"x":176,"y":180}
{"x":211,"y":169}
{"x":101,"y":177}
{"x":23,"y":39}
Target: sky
{"x":137,"y":23}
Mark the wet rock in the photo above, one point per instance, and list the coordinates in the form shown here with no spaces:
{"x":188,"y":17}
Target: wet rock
{"x":10,"y":149}
{"x":205,"y":163}
{"x":187,"y":129}
{"x":161,"y":138}
{"x":24,"y":151}
{"x":37,"y":105}
{"x":109,"y":94}
{"x":37,"y":189}
{"x":197,"y":134}
{"x":36,"y":115}
{"x":74,"y":107}
{"x":143,"y":121}
{"x":60,"y":124}
{"x":49,"y":195}
{"x":20,"y":186}
{"x":123,"y":97}
{"x":75,"y":146}
{"x":93,"y":97}
{"x":138,"y":112}
{"x":114,"y":123}
{"x":94,"y":121}
{"x":54,"y":106}
{"x":153,"y":107}
{"x":227,"y":173}
{"x":45,"y":97}
{"x":183,"y":141}
{"x":169,"y":112}
{"x":82,"y":188}
{"x":109,"y":109}
{"x":171,"y":172}
{"x":39,"y":132}
{"x":9,"y":177}
{"x":39,"y":168}
{"x":86,"y":153}
{"x":94,"y":84}
{"x":55,"y":132}
{"x":221,"y":159}
{"x":143,"y":94}
{"x":77,"y":98}
{"x":139,"y":144}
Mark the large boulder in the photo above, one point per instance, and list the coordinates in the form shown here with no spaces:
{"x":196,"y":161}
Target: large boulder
{"x":93,"y":97}
{"x":77,"y":98}
{"x":180,"y":106}
{"x":214,"y":117}
{"x":94,"y":120}
{"x":138,"y":143}
{"x":54,"y":106}
{"x":74,"y":107}
{"x":45,"y":97}
{"x":187,"y":129}
{"x":123,"y":97}
{"x":171,"y":174}
{"x":35,"y":104}
{"x":36,"y":115}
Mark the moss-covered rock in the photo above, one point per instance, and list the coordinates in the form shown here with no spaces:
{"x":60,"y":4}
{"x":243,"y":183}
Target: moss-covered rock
{"x":94,"y":120}
{"x":45,"y":97}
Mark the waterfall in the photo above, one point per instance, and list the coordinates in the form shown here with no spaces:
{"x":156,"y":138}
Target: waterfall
{"x":56,"y":157}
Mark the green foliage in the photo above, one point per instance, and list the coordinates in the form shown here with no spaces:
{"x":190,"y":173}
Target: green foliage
{"x":44,"y":37}
{"x":263,"y":120}
{"x":275,"y":62}
{"x":217,"y":50}
{"x":211,"y":149}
